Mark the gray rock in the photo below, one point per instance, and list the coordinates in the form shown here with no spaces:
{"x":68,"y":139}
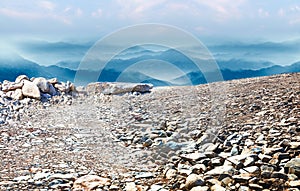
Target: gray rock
{"x":279,"y":175}
{"x":293,"y":166}
{"x":29,"y":89}
{"x":171,"y":173}
{"x":250,"y":169}
{"x":193,"y":156}
{"x":117,"y":88}
{"x":144,"y":175}
{"x":221,"y":170}
{"x":193,"y":180}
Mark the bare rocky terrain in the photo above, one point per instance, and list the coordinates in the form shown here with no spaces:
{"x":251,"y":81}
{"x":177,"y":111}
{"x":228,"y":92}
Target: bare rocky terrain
{"x":236,"y":135}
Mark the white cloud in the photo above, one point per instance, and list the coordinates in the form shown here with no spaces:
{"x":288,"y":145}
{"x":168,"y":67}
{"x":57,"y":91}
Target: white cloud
{"x":295,"y":8}
{"x":97,"y":13}
{"x":79,"y":12}
{"x":224,"y":9}
{"x":67,"y":9}
{"x":18,"y":14}
{"x":33,"y":15}
{"x":137,"y":9}
{"x":47,"y":5}
{"x":263,"y":13}
{"x":281,"y":12}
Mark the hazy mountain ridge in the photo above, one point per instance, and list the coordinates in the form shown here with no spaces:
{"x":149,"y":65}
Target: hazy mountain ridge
{"x":233,"y":68}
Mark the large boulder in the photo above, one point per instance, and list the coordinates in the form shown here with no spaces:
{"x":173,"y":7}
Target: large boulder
{"x":117,"y":87}
{"x":42,"y":84}
{"x":31,"y":90}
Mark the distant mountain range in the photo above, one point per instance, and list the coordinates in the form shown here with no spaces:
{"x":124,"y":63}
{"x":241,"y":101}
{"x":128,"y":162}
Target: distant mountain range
{"x":234,"y":68}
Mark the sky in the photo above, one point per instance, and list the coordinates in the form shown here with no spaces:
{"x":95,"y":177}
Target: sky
{"x":274,"y":20}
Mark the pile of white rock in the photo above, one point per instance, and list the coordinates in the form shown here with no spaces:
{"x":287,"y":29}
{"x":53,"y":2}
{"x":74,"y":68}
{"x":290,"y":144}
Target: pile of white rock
{"x":37,"y":88}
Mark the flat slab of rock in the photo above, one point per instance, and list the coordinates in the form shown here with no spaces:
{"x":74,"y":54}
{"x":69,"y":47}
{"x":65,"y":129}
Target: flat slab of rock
{"x":113,"y":88}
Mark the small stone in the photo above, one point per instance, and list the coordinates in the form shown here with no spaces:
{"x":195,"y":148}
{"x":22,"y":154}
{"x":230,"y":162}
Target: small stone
{"x":144,"y":175}
{"x":61,"y":186}
{"x":279,"y":175}
{"x":255,"y":186}
{"x":260,"y":138}
{"x":249,"y":161}
{"x":200,"y":188}
{"x":199,"y":168}
{"x":171,"y":173}
{"x":155,"y":187}
{"x":294,"y":145}
{"x":217,"y":187}
{"x":295,"y":183}
{"x":89,"y":182}
{"x":147,"y":143}
{"x":21,"y":78}
{"x":221,"y":170}
{"x":130,"y":186}
{"x":244,"y":188}
{"x":63,"y":176}
{"x":41,"y":175}
{"x":6,"y":183}
{"x":242,"y":178}
{"x":281,"y":156}
{"x":234,"y":151}
{"x":53,"y":81}
{"x":226,"y":181}
{"x":193,"y":156}
{"x":21,"y":178}
{"x":264,"y":158}
{"x":193,"y":180}
{"x":184,"y":169}
{"x":114,"y":187}
{"x":293,"y":166}
{"x":62,"y":87}
{"x":217,"y":161}
{"x":250,"y":169}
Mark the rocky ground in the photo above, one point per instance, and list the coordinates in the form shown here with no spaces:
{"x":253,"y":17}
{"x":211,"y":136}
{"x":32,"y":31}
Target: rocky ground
{"x":235,"y":135}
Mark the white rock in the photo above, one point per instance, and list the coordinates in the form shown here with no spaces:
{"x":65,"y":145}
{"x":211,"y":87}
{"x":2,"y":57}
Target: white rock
{"x":21,"y":78}
{"x":89,"y":182}
{"x":42,"y":84}
{"x":29,"y":89}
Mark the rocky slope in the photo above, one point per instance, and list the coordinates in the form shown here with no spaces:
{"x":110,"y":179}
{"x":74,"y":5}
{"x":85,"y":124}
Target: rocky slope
{"x":234,"y":135}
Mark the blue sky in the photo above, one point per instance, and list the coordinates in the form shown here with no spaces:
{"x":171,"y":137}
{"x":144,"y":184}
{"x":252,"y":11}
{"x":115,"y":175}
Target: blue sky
{"x":225,"y":19}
